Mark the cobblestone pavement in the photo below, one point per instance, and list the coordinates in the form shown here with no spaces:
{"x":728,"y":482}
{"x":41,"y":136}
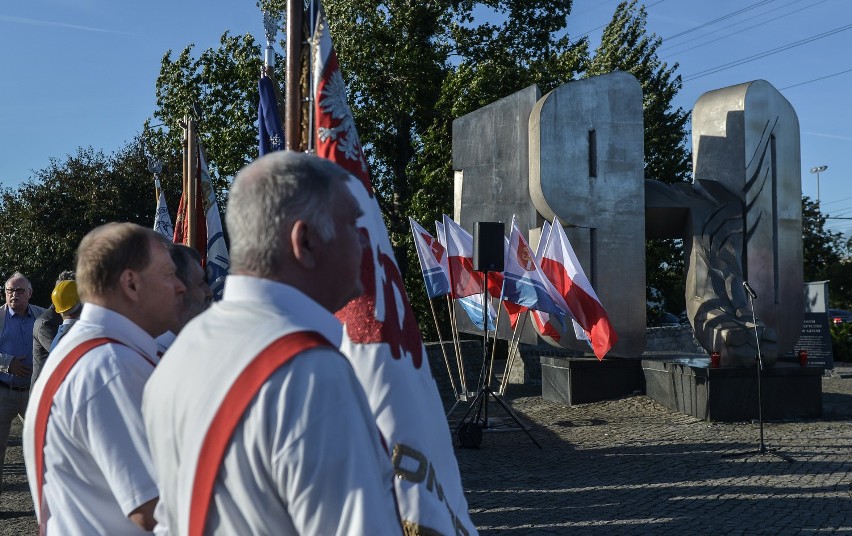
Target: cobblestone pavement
{"x":628,"y":466}
{"x":631,"y":466}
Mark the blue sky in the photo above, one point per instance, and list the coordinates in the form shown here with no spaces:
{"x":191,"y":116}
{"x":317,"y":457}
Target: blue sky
{"x":82,"y":72}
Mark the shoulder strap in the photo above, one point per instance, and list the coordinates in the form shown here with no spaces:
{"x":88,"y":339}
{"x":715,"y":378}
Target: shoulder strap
{"x":230,"y":413}
{"x":43,"y":410}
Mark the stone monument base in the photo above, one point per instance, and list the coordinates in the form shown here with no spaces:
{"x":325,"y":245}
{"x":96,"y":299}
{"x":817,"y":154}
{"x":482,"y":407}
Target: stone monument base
{"x":690,"y":386}
{"x":581,"y":380}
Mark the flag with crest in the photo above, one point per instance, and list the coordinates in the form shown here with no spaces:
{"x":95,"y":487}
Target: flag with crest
{"x":210,"y":240}
{"x":162,"y":220}
{"x":381,"y":336}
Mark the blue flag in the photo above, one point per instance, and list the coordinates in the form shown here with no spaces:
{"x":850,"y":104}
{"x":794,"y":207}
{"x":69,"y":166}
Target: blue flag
{"x":271,"y":132}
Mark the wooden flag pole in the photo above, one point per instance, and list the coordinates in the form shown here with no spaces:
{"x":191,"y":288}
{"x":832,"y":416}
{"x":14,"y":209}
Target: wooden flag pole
{"x":513,"y":352}
{"x":455,"y":332}
{"x":191,"y":187}
{"x":444,"y":350}
{"x":292,"y":82}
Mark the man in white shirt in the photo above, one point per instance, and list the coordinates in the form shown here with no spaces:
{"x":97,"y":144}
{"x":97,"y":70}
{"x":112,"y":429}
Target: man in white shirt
{"x":85,"y":449}
{"x":276,"y":436}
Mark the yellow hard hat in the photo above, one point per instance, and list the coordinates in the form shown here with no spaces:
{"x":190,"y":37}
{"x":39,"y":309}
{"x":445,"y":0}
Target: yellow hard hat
{"x":64,"y":296}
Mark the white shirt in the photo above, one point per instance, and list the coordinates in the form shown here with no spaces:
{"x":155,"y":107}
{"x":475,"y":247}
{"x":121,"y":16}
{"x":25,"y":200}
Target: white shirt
{"x":306,"y":457}
{"x":96,"y":460}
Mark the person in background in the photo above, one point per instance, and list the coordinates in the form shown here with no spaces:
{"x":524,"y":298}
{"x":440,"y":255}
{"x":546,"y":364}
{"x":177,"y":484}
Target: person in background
{"x":17,"y":319}
{"x":44,"y":331}
{"x":87,"y":457}
{"x":276,"y":436}
{"x":66,"y":301}
{"x":198,"y":295}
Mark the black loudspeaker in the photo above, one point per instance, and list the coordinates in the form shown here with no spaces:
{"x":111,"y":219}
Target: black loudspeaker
{"x":488,"y":246}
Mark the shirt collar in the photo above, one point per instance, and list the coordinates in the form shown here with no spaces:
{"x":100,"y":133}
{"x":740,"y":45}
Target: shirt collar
{"x":285,"y":299}
{"x":119,"y":327}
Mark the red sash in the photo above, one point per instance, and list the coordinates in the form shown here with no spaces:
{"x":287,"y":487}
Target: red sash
{"x":43,"y":412}
{"x":230,"y":413}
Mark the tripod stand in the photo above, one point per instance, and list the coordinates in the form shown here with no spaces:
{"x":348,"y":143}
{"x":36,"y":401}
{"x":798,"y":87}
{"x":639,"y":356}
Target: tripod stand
{"x":761,"y":449}
{"x":480,"y":403}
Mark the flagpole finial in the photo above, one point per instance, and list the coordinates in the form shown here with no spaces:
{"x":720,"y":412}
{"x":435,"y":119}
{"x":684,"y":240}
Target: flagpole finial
{"x":270,"y":24}
{"x":155,"y":165}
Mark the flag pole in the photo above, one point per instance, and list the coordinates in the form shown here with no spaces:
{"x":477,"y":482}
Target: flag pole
{"x":513,"y":352}
{"x":455,"y":332}
{"x":444,"y":350}
{"x":191,"y":184}
{"x":292,"y":82}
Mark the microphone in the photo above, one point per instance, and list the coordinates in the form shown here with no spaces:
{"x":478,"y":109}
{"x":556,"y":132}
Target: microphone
{"x":750,"y":291}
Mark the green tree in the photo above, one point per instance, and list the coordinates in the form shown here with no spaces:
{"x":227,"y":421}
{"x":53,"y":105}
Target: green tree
{"x":221,"y":84}
{"x":43,"y":221}
{"x":821,"y":249}
{"x":626,"y":46}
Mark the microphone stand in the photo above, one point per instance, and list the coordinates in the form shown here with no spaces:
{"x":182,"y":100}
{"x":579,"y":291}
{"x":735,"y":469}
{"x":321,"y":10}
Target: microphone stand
{"x":761,"y":449}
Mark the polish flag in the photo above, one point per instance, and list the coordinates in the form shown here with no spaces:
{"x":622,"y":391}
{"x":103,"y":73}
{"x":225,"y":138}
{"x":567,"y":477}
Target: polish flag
{"x":563,"y":269}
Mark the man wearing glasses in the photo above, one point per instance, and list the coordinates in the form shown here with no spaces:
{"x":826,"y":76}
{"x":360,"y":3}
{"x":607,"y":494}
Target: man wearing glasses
{"x":17,"y":317}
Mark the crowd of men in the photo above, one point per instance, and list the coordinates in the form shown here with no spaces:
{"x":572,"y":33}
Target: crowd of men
{"x":151,"y":411}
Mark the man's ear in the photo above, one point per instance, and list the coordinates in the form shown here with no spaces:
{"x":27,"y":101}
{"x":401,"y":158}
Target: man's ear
{"x":128,"y":282}
{"x":303,"y":243}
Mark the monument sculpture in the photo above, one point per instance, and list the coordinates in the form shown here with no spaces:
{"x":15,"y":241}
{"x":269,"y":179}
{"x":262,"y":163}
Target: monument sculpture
{"x":577,"y":153}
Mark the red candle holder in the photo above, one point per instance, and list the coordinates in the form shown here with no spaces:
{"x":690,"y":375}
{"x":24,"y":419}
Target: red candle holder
{"x":803,"y":358}
{"x":715,"y":359}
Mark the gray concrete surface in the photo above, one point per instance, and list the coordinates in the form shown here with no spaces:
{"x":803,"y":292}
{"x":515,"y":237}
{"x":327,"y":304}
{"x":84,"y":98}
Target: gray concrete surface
{"x":628,"y":466}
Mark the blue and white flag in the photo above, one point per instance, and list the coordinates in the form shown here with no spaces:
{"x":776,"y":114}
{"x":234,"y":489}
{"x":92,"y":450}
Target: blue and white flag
{"x":523,"y":281}
{"x":162,"y":220}
{"x":217,"y":262}
{"x":270,"y":129}
{"x":431,"y":253}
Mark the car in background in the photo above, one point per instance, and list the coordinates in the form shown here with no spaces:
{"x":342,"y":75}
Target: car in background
{"x":839,"y":316}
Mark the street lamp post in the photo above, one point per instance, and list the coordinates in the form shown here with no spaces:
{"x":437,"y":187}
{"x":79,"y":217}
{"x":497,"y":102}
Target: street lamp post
{"x":818,"y":170}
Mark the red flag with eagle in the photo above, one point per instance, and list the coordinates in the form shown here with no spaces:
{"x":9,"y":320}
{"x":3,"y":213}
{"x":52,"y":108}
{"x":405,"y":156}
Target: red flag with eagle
{"x":382,"y":339}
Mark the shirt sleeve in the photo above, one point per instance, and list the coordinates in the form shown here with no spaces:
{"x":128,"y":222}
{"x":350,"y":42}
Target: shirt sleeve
{"x":334,"y":475}
{"x":112,"y":422}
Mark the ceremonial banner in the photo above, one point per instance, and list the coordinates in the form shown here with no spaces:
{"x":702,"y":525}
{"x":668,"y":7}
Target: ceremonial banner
{"x":563,"y":269}
{"x":270,"y":130}
{"x":210,"y":240}
{"x":162,"y":220}
{"x":381,"y":336}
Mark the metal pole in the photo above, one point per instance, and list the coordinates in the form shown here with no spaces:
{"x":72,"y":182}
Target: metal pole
{"x":817,"y":170}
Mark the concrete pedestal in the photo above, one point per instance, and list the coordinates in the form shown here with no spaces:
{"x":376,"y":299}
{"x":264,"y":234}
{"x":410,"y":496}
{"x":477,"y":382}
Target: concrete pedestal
{"x":580,"y":380}
{"x":730,"y":394}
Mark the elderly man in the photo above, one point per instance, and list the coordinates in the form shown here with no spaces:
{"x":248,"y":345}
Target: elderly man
{"x":17,"y":318}
{"x":87,"y":457}
{"x":276,"y":437}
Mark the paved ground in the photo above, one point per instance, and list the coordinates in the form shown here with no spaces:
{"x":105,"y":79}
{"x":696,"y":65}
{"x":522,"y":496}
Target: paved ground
{"x":629,"y":466}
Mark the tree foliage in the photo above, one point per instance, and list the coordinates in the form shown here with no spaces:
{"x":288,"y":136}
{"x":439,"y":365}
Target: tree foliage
{"x":43,"y":221}
{"x":219,"y":89}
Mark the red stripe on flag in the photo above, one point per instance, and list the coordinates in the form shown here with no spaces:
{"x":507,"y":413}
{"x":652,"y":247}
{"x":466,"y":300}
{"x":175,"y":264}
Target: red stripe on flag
{"x":588,"y":312}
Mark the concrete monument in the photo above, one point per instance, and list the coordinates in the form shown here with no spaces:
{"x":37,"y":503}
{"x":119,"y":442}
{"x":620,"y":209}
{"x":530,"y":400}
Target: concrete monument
{"x":580,"y":158}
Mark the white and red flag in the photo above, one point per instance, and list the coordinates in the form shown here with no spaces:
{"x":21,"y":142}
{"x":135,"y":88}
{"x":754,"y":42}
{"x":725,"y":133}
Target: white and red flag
{"x":210,"y":240}
{"x":563,"y":269}
{"x":382,"y":339}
